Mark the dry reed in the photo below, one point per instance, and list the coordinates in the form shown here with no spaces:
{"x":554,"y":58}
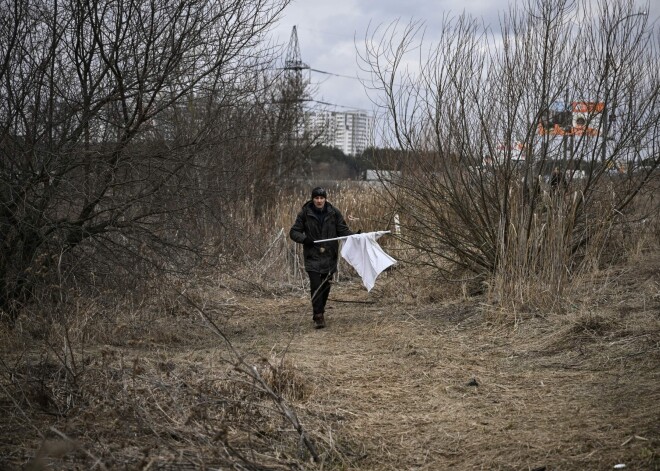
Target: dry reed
{"x":416,"y":374}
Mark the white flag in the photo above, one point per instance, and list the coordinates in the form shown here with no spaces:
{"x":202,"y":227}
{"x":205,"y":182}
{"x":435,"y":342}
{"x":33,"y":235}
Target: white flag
{"x":366,"y":256}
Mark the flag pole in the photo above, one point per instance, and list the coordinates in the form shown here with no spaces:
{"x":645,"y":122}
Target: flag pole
{"x":346,"y":237}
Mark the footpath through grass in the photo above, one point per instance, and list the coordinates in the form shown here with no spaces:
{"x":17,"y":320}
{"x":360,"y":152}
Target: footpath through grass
{"x":387,"y":385}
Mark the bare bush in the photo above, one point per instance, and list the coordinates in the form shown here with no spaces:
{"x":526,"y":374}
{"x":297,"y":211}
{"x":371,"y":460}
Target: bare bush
{"x":120,"y":123}
{"x":472,"y":180}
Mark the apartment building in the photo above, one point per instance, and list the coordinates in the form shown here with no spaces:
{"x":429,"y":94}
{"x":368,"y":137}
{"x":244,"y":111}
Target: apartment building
{"x":349,"y":131}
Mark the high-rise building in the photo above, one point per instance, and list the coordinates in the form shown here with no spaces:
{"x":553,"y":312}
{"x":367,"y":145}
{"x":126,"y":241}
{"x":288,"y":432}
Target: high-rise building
{"x":349,"y":131}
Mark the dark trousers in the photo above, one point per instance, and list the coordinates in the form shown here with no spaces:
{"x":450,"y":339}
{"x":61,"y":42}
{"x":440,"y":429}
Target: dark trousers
{"x":320,"y":290}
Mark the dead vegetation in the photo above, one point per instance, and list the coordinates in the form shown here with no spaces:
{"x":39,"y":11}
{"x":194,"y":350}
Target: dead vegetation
{"x":154,"y":313}
{"x":224,"y":370}
{"x":394,"y":382}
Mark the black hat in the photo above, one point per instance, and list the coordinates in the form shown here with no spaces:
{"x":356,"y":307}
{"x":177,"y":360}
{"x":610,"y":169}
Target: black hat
{"x":318,"y":191}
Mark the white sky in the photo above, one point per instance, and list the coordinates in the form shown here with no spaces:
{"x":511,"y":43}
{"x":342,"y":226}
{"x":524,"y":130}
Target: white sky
{"x":328,"y":31}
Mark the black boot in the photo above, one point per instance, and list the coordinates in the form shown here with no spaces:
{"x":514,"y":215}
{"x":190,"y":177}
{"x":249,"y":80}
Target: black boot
{"x":319,"y":321}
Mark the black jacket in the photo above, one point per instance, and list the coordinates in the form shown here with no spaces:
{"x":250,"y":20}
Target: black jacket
{"x":322,"y":258}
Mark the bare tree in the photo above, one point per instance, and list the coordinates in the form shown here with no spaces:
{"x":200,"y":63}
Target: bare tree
{"x":483,"y":122}
{"x":108,"y":112}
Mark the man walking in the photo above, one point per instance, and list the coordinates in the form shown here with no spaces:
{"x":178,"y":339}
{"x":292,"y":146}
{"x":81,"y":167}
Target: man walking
{"x":318,"y":220}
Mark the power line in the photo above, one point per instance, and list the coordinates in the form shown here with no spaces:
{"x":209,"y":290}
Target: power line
{"x":335,"y":104}
{"x":294,"y":65}
{"x":338,"y":106}
{"x":331,"y":73}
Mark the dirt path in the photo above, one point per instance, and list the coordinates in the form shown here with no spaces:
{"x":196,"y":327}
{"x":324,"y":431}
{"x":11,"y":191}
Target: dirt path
{"x":387,"y":385}
{"x":440,"y":386}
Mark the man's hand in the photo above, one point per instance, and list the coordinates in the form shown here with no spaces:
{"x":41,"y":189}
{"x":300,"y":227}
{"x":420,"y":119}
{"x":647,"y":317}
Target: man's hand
{"x":308,"y":242}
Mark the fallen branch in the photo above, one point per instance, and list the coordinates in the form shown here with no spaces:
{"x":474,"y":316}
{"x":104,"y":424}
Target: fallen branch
{"x":251,"y":371}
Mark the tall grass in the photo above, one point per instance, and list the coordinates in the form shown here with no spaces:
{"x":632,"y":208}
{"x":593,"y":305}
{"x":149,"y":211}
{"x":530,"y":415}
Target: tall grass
{"x":268,"y":256}
{"x":79,"y":354}
{"x":537,"y":268}
{"x":535,"y":265}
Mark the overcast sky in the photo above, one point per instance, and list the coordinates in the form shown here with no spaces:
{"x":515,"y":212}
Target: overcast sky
{"x":329,"y":29}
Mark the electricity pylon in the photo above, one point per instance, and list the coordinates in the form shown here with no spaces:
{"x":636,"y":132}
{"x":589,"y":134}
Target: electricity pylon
{"x":291,"y":93}
{"x":294,"y":82}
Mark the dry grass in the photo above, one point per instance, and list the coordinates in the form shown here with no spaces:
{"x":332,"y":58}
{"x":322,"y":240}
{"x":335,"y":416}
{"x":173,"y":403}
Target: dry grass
{"x":418,"y":374}
{"x":394,"y":382}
